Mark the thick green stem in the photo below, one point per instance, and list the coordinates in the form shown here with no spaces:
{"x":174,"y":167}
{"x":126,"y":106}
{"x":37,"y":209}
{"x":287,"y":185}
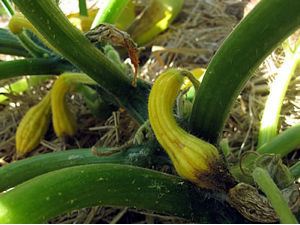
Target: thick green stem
{"x":141,"y":155}
{"x":14,"y":50}
{"x":269,"y":123}
{"x":31,"y":46}
{"x":264,"y":28}
{"x":267,"y":185}
{"x":283,"y":143}
{"x":54,"y":193}
{"x":71,"y":43}
{"x":109,"y":11}
{"x":37,"y":66}
{"x":82,"y":8}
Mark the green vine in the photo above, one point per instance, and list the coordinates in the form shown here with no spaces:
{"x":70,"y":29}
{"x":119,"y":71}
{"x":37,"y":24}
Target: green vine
{"x":81,"y":186}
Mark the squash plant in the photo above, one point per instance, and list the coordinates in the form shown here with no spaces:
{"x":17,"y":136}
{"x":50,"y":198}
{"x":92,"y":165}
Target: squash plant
{"x":59,"y":182}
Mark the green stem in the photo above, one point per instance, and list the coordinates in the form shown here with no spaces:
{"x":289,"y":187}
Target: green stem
{"x":32,"y":47}
{"x":8,"y":8}
{"x":109,"y":11}
{"x":141,"y":155}
{"x":7,"y":50}
{"x":270,"y":119}
{"x":264,"y":28}
{"x":71,"y":43}
{"x":82,"y":8}
{"x":282,"y":144}
{"x":54,"y":193}
{"x":36,"y":66}
{"x":267,"y":185}
{"x":10,"y":45}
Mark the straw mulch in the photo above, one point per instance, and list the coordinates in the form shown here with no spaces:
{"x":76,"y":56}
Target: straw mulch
{"x":190,"y":42}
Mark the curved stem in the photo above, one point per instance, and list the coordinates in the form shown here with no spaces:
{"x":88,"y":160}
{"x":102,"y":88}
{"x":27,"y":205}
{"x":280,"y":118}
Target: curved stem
{"x":267,"y":185}
{"x":36,"y":66}
{"x":13,"y":50}
{"x":264,"y":28}
{"x":141,"y":155}
{"x":53,"y":193}
{"x":32,"y":47}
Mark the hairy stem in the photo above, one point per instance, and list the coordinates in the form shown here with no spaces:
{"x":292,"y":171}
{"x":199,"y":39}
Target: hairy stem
{"x":267,"y":185}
